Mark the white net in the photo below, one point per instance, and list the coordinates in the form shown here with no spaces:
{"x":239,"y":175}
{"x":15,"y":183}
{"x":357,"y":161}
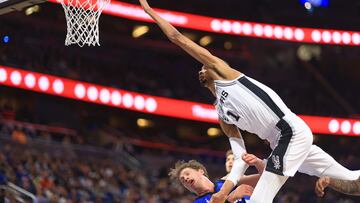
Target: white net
{"x":82,"y":20}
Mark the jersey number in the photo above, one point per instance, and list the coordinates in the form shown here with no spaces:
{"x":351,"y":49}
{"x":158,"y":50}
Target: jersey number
{"x":233,"y":115}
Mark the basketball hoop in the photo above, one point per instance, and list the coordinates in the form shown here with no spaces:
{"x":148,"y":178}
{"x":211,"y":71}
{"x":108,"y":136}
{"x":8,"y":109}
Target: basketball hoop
{"x":82,"y":20}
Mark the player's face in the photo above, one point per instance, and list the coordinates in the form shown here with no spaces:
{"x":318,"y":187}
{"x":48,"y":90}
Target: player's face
{"x":191,"y":179}
{"x":229,"y":162}
{"x":204,"y":77}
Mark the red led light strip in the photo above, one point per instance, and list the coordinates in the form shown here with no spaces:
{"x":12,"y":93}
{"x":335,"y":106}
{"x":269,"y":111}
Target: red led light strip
{"x":237,"y":27}
{"x":123,"y":99}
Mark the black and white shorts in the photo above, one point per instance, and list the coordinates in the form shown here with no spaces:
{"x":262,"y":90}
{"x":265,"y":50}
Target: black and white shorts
{"x":293,"y":147}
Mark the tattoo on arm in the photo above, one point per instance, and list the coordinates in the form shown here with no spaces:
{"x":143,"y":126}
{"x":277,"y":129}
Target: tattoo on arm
{"x":346,"y":186}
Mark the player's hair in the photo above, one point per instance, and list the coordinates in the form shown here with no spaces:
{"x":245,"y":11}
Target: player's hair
{"x":229,"y":152}
{"x":181,"y":165}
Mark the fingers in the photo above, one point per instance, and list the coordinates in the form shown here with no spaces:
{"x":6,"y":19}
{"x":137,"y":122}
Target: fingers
{"x":232,"y":198}
{"x":319,"y":187}
{"x":249,"y":158}
{"x":240,"y":192}
{"x":248,"y":190}
{"x":318,"y":190}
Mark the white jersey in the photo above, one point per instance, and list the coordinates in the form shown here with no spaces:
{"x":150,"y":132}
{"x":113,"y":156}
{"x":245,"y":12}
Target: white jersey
{"x":251,"y":106}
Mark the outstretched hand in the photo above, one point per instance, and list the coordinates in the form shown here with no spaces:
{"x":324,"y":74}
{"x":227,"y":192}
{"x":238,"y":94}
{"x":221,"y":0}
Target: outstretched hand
{"x":144,"y":5}
{"x":251,"y":159}
{"x":320,"y":186}
{"x":240,"y":192}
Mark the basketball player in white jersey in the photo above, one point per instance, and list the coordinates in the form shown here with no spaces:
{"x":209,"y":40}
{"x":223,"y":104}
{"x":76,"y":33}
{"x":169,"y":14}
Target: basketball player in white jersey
{"x":249,"y":105}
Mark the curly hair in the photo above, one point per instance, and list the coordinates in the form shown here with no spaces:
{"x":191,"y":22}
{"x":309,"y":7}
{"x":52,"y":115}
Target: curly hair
{"x":181,"y":165}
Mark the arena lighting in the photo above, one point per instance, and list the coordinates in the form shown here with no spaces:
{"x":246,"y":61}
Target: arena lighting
{"x":144,"y":123}
{"x":32,"y":9}
{"x":213,"y":132}
{"x":30,"y":80}
{"x":44,"y":83}
{"x":3,"y":75}
{"x":58,"y":86}
{"x":315,"y":3}
{"x":235,"y":27}
{"x":105,"y":96}
{"x":140,"y":31}
{"x":6,"y":39}
{"x":117,"y":98}
{"x":15,"y":78}
{"x":206,"y":40}
{"x":92,"y":93}
{"x":228,"y":45}
{"x":307,"y":52}
{"x":308,"y":5}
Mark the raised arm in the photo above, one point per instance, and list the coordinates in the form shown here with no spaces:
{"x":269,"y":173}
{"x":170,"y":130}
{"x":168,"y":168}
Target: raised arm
{"x":195,"y":50}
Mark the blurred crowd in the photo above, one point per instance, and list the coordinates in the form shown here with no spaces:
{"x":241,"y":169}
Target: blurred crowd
{"x":57,"y":178}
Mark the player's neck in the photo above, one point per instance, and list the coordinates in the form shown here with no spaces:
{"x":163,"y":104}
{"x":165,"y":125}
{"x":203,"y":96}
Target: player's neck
{"x":208,"y":187}
{"x":211,"y":87}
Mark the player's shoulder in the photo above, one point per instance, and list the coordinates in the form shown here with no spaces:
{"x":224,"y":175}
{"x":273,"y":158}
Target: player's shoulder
{"x":203,"y":198}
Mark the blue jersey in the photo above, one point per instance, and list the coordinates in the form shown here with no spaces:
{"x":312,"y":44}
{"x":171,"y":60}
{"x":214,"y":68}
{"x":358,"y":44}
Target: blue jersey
{"x":218,"y":185}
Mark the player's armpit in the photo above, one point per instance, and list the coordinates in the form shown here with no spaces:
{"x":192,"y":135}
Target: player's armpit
{"x":229,"y":130}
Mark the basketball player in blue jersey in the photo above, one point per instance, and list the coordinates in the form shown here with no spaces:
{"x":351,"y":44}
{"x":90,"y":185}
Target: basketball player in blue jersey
{"x":193,"y":176}
{"x":250,"y":105}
